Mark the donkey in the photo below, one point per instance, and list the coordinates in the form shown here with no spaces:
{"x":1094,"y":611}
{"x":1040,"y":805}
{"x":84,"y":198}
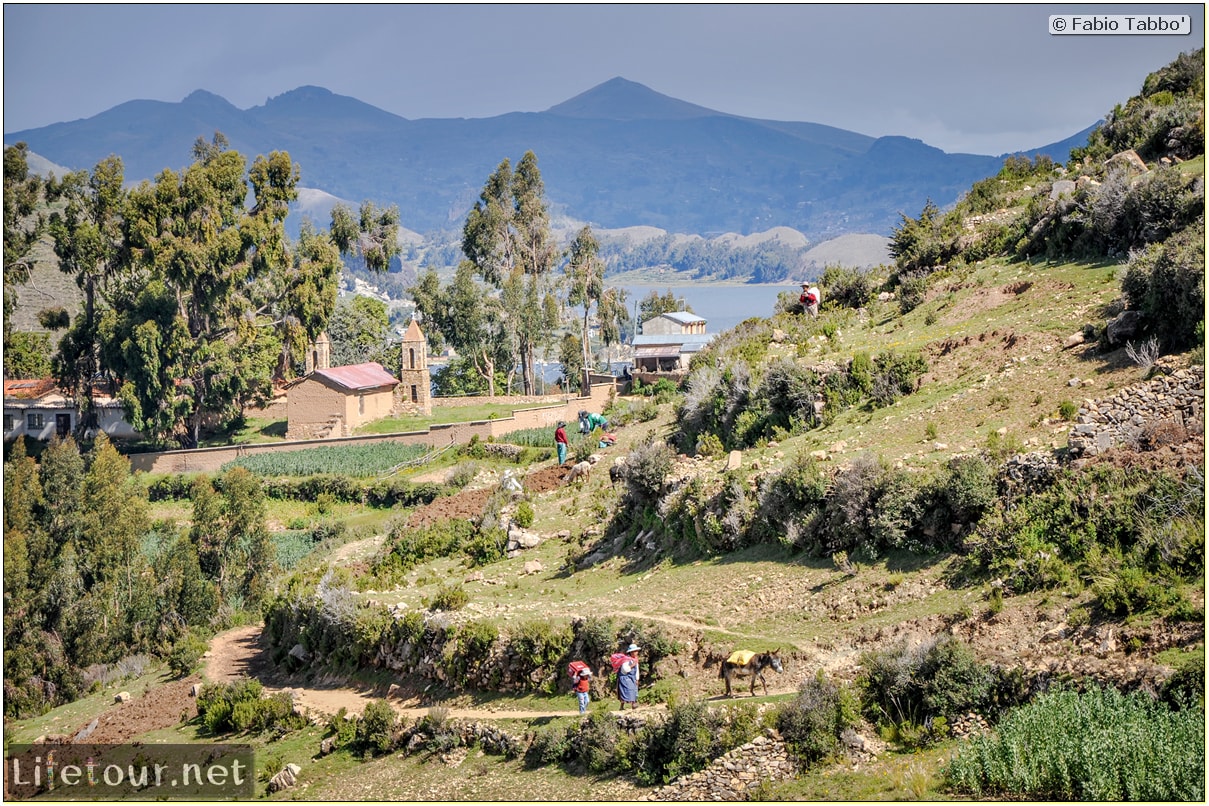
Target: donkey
{"x":743,"y":663}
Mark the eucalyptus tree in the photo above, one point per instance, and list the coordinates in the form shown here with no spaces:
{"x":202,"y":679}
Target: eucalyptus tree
{"x":89,"y":242}
{"x":205,"y":299}
{"x":585,"y":276}
{"x":613,"y":313}
{"x":507,"y":239}
{"x":22,"y":193}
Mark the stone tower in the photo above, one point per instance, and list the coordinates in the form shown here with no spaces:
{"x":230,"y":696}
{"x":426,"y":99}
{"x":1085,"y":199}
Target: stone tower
{"x":318,"y":354}
{"x":412,"y":394}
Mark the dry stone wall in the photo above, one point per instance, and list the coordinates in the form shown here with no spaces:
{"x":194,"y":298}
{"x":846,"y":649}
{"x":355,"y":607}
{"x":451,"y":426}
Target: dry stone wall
{"x":734,"y":776}
{"x":1176,"y":398}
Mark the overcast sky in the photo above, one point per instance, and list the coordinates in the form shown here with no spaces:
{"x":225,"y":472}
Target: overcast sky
{"x":975,"y":78}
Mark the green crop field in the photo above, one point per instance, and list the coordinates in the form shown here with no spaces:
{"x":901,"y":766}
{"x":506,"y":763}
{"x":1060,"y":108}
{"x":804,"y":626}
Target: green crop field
{"x":348,"y":460}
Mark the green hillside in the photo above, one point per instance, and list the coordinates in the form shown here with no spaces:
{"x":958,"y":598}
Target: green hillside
{"x":965,"y":506}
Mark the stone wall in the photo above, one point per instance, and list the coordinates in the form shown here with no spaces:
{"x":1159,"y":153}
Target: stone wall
{"x":211,"y":460}
{"x":1176,"y":398}
{"x":734,"y":776}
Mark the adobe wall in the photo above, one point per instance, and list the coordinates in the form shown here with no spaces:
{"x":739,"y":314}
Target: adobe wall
{"x":211,"y":460}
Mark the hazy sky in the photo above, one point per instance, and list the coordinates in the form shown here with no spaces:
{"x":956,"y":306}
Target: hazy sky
{"x":974,"y":78}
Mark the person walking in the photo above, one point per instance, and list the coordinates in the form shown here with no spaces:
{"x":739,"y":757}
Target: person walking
{"x":627,"y":679}
{"x":583,"y":685}
{"x":810,"y":300}
{"x":560,"y":441}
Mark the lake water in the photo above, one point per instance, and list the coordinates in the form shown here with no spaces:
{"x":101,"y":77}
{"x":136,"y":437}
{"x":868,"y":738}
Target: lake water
{"x":722,"y":306}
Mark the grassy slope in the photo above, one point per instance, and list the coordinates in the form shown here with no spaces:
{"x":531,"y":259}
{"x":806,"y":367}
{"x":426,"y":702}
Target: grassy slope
{"x":1007,"y":369}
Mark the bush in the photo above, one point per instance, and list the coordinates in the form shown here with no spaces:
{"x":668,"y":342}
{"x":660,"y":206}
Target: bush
{"x":812,"y":723}
{"x":912,"y":685}
{"x":1098,"y":745}
{"x":375,"y":729}
{"x":647,"y":468}
{"x":186,"y":654}
{"x":692,"y":736}
{"x":524,"y":514}
{"x":1166,"y":283}
{"x":449,"y":597}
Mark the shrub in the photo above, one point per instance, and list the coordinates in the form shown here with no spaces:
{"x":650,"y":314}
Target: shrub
{"x":449,"y":597}
{"x":1186,"y":686}
{"x":186,"y":654}
{"x":462,"y":475}
{"x":524,"y":514}
{"x":709,"y":445}
{"x":812,"y":723}
{"x":1097,"y":745}
{"x":911,"y":685}
{"x":647,"y":467}
{"x":690,"y":737}
{"x":375,"y":729}
{"x":1166,"y":283}
{"x":912,"y":290}
{"x":538,"y":648}
{"x":850,"y":288}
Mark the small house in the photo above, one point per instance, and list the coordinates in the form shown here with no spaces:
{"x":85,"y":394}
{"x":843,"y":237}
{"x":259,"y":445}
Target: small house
{"x":37,"y":409}
{"x":680,"y":323}
{"x":335,"y":401}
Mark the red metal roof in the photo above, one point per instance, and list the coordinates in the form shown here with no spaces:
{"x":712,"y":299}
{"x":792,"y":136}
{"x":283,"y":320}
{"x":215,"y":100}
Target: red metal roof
{"x":30,"y":388}
{"x":357,"y":377}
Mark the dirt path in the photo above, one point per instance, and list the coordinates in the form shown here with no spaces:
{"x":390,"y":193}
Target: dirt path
{"x":240,"y":653}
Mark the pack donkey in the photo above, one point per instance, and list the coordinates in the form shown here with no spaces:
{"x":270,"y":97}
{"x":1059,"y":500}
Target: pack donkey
{"x":744,"y":663}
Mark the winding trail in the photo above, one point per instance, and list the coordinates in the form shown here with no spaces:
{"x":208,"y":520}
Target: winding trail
{"x":241,"y":653}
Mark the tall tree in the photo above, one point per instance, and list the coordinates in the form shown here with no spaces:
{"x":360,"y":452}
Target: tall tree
{"x":507,"y":239}
{"x":614,"y":315}
{"x":89,"y":244}
{"x":359,"y":329}
{"x":585,"y":275}
{"x":22,"y":193}
{"x":206,"y":301}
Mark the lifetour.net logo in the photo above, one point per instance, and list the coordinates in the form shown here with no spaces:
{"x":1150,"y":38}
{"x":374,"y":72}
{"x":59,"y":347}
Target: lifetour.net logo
{"x":125,"y":771}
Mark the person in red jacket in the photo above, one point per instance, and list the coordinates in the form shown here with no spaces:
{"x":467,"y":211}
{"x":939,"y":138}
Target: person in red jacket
{"x":560,"y":441}
{"x":582,"y":686}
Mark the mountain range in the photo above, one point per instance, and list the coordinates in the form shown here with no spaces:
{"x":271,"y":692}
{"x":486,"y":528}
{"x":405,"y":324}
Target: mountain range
{"x":618,"y":155}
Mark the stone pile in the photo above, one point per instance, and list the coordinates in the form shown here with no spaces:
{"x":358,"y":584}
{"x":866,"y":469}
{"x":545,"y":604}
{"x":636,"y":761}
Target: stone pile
{"x":734,"y":776}
{"x":1178,"y":397}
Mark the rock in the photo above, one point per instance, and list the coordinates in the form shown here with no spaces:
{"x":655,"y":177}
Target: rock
{"x":474,"y":576}
{"x":1129,"y":160}
{"x":1062,"y":186}
{"x":327,"y":746}
{"x":1122,"y":327}
{"x":122,"y":696}
{"x":195,"y":690}
{"x":532,"y":567}
{"x":285,"y":779}
{"x":734,"y":460}
{"x":1073,"y":340}
{"x":298,"y":652}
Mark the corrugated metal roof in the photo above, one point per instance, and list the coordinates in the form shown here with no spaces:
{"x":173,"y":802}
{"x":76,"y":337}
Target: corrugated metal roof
{"x":681,"y":317}
{"x":651,"y":339}
{"x":657,"y":352}
{"x":28,"y":388}
{"x":356,"y":377}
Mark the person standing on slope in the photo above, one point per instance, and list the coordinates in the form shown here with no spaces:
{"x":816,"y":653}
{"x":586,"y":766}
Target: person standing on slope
{"x":627,"y":679}
{"x":560,"y":441}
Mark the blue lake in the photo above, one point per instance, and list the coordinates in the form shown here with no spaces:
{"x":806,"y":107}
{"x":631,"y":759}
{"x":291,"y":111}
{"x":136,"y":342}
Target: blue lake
{"x":722,"y":306}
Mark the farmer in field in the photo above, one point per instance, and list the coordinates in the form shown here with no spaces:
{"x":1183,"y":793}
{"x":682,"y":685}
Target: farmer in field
{"x":560,"y":441}
{"x":627,"y":679}
{"x":589,"y":421}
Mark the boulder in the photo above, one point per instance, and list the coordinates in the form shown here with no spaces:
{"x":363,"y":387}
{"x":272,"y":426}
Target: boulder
{"x":1061,"y":187}
{"x":1122,"y":326}
{"x":734,"y":460}
{"x":122,"y":696}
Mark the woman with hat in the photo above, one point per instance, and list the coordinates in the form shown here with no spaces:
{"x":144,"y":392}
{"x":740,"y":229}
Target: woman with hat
{"x":627,"y":679}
